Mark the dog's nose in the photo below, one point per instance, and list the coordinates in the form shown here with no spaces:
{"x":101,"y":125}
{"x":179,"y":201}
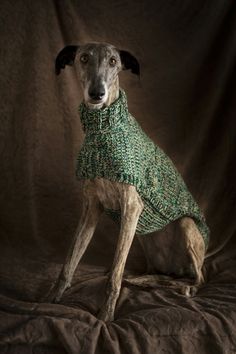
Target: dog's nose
{"x":97,"y":94}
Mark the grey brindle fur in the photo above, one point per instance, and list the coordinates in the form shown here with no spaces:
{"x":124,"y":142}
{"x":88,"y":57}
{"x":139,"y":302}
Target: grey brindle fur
{"x":179,"y":246}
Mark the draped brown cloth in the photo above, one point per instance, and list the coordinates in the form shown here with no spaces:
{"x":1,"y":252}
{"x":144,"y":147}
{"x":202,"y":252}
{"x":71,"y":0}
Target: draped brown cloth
{"x":185,"y":100}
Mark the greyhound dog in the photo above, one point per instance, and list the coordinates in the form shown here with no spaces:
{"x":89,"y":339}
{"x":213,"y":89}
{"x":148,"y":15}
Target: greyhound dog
{"x":180,"y":248}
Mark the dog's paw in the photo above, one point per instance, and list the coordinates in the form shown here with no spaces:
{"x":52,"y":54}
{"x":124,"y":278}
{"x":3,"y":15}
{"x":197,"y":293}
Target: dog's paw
{"x":189,"y":290}
{"x":55,"y":294}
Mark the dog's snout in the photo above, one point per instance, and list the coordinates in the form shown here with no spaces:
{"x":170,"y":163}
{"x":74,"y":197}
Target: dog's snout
{"x":97,"y":93}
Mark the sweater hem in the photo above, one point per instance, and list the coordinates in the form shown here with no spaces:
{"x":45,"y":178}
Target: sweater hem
{"x":164,"y":213}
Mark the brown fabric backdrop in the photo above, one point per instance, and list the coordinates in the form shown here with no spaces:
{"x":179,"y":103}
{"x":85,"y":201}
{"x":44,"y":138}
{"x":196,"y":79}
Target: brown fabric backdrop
{"x":185,"y":101}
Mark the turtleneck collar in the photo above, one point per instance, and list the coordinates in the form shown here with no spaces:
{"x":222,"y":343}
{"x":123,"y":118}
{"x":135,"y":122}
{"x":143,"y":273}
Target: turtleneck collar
{"x":94,"y":120}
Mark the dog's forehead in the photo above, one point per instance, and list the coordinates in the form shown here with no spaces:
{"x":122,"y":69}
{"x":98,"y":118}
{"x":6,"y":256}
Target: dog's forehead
{"x":99,"y":49}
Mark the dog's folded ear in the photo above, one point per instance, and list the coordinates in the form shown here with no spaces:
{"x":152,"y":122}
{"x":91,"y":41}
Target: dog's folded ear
{"x":129,"y":62}
{"x":65,"y":57}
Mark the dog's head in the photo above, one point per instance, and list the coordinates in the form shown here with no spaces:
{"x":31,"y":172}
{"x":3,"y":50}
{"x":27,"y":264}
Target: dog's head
{"x":98,"y":66}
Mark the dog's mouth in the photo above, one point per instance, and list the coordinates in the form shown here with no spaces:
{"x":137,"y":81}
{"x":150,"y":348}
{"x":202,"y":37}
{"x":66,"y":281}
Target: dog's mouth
{"x":96,"y":101}
{"x":95,"y":104}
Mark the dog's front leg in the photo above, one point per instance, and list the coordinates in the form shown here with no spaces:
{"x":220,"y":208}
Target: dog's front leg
{"x":88,"y":222}
{"x":131,"y":208}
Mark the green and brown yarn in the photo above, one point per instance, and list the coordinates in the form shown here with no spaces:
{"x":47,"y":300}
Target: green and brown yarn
{"x":116,"y":148}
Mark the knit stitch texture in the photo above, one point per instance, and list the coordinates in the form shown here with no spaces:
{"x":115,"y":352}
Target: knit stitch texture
{"x":116,"y":148}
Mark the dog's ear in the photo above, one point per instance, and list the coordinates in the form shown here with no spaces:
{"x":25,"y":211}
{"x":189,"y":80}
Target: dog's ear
{"x":129,"y":62}
{"x":65,"y":57}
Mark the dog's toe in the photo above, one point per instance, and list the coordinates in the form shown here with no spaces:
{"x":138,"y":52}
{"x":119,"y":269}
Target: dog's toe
{"x":189,"y":290}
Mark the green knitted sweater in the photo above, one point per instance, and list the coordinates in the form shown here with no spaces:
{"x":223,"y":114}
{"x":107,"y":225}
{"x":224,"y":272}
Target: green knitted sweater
{"x":116,"y":148}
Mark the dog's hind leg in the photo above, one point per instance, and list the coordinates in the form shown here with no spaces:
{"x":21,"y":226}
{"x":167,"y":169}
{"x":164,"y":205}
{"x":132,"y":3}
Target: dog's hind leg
{"x":195,"y":247}
{"x":85,"y":230}
{"x":176,"y":255}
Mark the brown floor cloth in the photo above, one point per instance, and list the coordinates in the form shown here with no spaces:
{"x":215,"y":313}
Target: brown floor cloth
{"x":185,"y":100}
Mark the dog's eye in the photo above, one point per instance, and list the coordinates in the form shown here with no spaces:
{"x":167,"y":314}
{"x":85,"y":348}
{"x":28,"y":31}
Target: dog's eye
{"x":84,"y":58}
{"x":112,"y":61}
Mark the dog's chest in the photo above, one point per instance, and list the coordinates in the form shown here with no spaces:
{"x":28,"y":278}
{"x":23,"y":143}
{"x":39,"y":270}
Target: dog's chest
{"x":109,"y":193}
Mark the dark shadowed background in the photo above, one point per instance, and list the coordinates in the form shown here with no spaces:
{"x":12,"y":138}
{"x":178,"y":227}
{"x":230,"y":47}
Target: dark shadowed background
{"x":186,"y":102}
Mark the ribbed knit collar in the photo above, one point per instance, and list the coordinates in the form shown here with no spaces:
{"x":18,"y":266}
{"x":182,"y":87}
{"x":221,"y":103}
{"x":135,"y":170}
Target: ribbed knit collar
{"x":103,"y":119}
